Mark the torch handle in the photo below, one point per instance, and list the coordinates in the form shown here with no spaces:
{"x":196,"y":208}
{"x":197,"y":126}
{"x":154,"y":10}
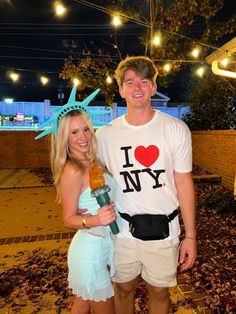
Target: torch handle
{"x":104,"y":199}
{"x":114,"y":227}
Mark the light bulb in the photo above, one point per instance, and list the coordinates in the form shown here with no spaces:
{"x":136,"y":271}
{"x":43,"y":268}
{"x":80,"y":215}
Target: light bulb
{"x":195,"y":52}
{"x":109,"y":80}
{"x":14,"y":76}
{"x":76,"y":81}
{"x":156,"y":40}
{"x":44,"y":80}
{"x":200,"y":71}
{"x":116,"y":21}
{"x":60,"y":9}
{"x":167,"y":67}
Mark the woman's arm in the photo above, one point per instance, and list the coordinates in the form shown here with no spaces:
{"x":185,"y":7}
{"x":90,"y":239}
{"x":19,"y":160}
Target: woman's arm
{"x":71,"y":185}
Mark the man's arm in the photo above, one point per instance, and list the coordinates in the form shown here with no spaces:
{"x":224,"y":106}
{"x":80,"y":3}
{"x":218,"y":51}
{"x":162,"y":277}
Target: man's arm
{"x":186,"y":197}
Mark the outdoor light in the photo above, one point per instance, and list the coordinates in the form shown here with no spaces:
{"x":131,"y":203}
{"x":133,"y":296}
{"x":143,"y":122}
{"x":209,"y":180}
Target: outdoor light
{"x":156,"y":40}
{"x":109,"y":79}
{"x":218,"y":71}
{"x":200,"y":71}
{"x":167,"y":67}
{"x":195,"y":52}
{"x":116,"y":21}
{"x":8,"y":100}
{"x":224,"y":62}
{"x":14,"y":76}
{"x":76,"y":82}
{"x":218,"y":56}
{"x":44,"y":80}
{"x":59,"y":8}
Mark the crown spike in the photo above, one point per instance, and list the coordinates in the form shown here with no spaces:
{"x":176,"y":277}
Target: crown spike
{"x":72,"y":97}
{"x":53,"y":123}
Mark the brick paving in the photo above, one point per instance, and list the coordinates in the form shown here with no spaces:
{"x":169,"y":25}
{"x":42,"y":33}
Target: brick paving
{"x":7,"y":182}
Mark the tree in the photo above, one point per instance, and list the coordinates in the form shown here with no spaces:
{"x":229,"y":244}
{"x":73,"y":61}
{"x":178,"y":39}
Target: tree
{"x":212,"y":104}
{"x":91,"y":73}
{"x":182,"y":23}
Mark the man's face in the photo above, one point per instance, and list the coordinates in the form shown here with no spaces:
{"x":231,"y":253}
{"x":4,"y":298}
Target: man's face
{"x":137,"y":90}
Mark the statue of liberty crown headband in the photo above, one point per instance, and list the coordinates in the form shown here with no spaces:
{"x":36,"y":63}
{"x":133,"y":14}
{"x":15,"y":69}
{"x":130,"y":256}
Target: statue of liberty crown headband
{"x":52,"y":124}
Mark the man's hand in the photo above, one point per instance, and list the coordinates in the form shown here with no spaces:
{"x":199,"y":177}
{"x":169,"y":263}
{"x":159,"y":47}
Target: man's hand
{"x":83,"y":211}
{"x":188,"y":253}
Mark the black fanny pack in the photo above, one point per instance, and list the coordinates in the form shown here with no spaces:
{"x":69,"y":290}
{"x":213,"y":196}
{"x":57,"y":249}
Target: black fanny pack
{"x":149,"y":227}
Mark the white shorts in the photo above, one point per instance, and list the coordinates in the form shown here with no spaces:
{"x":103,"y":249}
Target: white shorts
{"x":155,"y":261}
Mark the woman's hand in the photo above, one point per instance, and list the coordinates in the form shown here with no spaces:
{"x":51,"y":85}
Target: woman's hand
{"x":106,"y":214}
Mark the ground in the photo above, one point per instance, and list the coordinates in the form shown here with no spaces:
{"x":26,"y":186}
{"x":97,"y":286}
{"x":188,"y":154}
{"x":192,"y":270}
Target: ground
{"x":34,"y":243}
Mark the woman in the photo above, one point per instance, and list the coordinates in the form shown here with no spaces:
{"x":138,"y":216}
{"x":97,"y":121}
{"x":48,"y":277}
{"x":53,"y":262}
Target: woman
{"x":73,"y":151}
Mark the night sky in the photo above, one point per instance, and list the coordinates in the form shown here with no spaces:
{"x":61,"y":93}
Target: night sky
{"x":31,"y":42}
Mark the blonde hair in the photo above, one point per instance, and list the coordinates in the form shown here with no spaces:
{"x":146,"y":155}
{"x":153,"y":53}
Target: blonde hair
{"x":60,"y":153}
{"x":142,"y":65}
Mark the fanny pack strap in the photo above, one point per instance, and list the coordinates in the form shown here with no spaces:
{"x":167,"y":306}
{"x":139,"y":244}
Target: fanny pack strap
{"x":130,"y":219}
{"x":172,"y":215}
{"x":126,"y":217}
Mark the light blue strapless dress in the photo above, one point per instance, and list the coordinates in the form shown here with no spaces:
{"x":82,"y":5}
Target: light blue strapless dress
{"x":90,"y":258}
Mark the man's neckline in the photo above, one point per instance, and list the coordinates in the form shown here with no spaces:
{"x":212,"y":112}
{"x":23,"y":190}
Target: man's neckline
{"x":137,"y":123}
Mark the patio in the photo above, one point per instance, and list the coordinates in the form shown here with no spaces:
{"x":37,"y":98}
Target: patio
{"x":34,"y":244}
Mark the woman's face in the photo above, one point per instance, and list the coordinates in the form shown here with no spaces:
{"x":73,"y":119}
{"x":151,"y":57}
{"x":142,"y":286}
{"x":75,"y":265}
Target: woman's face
{"x":79,"y":137}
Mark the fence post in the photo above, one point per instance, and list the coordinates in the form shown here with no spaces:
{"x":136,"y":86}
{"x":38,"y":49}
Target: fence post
{"x":179,"y":111}
{"x":114,"y":111}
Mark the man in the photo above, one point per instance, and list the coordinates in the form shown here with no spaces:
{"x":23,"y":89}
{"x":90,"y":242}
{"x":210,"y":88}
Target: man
{"x":150,"y":156}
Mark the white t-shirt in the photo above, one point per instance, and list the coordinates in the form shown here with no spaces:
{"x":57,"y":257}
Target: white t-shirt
{"x":142,"y":159}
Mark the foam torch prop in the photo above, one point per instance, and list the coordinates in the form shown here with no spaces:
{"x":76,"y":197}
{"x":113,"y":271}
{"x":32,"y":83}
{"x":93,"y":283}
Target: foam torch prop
{"x":100,"y":190}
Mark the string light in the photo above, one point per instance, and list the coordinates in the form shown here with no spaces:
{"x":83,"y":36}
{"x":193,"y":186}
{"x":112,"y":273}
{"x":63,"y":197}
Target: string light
{"x":109,"y":80}
{"x":144,"y":23}
{"x":138,"y":21}
{"x":76,"y":82}
{"x":116,"y":21}
{"x":157,"y":39}
{"x":195,"y":52}
{"x":14,"y":76}
{"x":60,"y":9}
{"x":200,"y":71}
{"x":110,"y":12}
{"x":44,"y":80}
{"x":167,"y":67}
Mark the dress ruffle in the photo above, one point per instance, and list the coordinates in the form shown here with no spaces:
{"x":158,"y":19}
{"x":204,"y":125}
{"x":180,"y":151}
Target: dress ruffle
{"x":98,"y":295}
{"x":90,"y":263}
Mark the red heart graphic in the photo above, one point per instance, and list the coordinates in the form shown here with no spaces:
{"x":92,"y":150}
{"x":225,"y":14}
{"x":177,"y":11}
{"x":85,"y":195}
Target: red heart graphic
{"x":146,"y":156}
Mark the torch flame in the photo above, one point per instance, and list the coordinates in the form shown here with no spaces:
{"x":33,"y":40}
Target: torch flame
{"x":96,"y":178}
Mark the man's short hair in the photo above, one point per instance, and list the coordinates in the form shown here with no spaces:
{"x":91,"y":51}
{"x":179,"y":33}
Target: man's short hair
{"x":141,"y":65}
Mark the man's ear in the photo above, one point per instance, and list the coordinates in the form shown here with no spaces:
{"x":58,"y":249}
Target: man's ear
{"x":154,"y":89}
{"x":122,"y":92}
